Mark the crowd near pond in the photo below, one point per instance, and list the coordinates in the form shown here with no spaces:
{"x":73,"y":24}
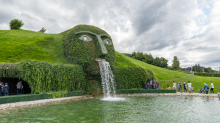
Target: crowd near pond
{"x":180,"y":87}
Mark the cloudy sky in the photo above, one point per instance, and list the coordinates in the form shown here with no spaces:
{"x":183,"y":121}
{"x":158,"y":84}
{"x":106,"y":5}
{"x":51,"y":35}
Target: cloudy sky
{"x":188,"y":29}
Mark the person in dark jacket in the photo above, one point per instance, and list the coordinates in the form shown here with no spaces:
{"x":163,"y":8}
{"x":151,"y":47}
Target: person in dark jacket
{"x":6,"y":90}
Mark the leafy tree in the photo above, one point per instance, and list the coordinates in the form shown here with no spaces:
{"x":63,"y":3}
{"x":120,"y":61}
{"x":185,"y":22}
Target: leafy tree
{"x":16,"y":24}
{"x":157,"y":61}
{"x":150,"y":59}
{"x":176,"y":63}
{"x":163,"y":62}
{"x":42,"y":30}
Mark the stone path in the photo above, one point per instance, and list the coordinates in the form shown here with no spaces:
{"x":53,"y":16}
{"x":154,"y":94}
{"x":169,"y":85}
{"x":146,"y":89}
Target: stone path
{"x":41,"y":102}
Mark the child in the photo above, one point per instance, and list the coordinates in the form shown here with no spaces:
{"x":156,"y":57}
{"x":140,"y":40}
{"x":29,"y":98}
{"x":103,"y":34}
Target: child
{"x":192,"y":89}
{"x":6,"y":90}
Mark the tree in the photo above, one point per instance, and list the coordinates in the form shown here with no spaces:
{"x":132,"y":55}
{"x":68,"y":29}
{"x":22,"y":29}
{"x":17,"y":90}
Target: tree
{"x":176,"y":63}
{"x":150,"y":59}
{"x":16,"y":24}
{"x":163,"y":62}
{"x":157,"y":62}
{"x":43,"y":30}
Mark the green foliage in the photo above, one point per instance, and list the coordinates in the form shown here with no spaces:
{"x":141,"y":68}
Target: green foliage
{"x":57,"y":94}
{"x":207,"y":74}
{"x":176,"y":63}
{"x":42,"y":30}
{"x":8,"y":70}
{"x":148,"y":58}
{"x":84,"y":53}
{"x":133,"y":91}
{"x":19,"y":45}
{"x":131,"y":77}
{"x":45,"y":77}
{"x":16,"y":24}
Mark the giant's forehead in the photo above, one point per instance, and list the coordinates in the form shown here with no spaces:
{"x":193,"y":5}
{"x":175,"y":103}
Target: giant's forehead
{"x":89,"y":28}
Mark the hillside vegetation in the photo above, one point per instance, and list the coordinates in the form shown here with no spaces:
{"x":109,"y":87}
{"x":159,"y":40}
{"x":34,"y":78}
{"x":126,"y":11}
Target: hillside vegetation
{"x":18,"y":45}
{"x":165,"y":76}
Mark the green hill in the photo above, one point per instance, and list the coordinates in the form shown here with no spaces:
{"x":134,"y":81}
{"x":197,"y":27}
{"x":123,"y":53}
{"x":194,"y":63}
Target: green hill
{"x":165,"y":76}
{"x":19,"y":45}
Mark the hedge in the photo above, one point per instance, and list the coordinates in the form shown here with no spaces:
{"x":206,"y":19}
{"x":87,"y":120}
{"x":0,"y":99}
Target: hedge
{"x":208,"y":74}
{"x":31,"y":97}
{"x":131,"y":77}
{"x":45,"y":77}
{"x":144,"y":91}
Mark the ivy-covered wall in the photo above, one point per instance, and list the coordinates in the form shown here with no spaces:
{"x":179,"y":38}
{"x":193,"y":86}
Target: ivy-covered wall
{"x":131,"y":77}
{"x":45,"y":77}
{"x":85,"y":52}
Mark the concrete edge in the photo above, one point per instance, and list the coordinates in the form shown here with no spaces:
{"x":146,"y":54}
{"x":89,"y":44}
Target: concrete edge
{"x":7,"y":106}
{"x":168,"y":94}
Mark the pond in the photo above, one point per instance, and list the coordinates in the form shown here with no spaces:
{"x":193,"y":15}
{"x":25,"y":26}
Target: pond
{"x":131,"y":109}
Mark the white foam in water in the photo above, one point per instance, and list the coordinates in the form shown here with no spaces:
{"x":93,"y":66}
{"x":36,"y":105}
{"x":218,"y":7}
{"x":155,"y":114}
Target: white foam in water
{"x":108,"y":85}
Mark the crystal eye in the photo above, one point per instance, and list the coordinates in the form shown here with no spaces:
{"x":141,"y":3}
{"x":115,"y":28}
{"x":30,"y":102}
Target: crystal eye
{"x":85,"y":38}
{"x":107,"y":42}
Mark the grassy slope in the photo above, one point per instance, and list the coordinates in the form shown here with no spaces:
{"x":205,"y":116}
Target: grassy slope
{"x":18,"y":45}
{"x":165,"y":76}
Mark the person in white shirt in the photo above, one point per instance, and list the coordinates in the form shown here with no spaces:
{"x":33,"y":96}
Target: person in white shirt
{"x":212,"y":87}
{"x":174,"y":85}
{"x":189,"y":86}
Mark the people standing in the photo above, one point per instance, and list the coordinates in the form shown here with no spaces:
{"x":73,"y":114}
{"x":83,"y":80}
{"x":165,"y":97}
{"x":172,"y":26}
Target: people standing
{"x":174,"y":85}
{"x":189,"y":86}
{"x":2,"y":88}
{"x":6,"y":90}
{"x":179,"y":87}
{"x":185,"y":87}
{"x":206,"y":88}
{"x":19,"y":87}
{"x":212,"y":87}
{"x":192,"y":88}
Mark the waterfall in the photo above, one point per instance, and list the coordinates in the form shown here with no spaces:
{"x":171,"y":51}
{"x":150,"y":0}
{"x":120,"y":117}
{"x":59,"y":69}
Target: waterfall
{"x":108,"y":85}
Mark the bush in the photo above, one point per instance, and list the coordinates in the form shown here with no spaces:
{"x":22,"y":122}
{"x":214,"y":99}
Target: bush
{"x":42,"y":30}
{"x":16,"y":24}
{"x":131,"y":77}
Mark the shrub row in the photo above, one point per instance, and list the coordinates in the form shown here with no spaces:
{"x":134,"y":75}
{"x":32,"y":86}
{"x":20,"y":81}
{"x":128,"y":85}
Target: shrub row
{"x":144,"y":91}
{"x":131,"y":77}
{"x":208,"y":74}
{"x":31,"y":97}
{"x":44,"y":77}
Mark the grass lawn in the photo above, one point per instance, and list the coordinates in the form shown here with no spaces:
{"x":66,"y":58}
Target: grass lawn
{"x":18,"y":45}
{"x":165,"y":76}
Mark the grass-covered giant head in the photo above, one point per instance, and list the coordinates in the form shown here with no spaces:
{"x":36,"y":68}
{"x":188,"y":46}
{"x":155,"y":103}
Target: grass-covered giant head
{"x":84,"y":44}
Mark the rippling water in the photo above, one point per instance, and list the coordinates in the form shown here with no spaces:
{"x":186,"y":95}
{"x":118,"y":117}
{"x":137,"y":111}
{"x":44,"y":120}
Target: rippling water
{"x":132,"y":109}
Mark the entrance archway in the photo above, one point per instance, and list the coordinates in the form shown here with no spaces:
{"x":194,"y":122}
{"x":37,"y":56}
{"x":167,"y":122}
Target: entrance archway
{"x":12,"y":82}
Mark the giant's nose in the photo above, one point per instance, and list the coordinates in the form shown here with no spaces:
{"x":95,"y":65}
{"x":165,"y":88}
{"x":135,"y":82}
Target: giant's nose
{"x":103,"y":48}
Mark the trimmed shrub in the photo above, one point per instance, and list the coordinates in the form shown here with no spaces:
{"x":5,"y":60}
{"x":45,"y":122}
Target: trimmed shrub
{"x":16,"y":24}
{"x":131,"y":77}
{"x":45,"y":77}
{"x":208,"y":74}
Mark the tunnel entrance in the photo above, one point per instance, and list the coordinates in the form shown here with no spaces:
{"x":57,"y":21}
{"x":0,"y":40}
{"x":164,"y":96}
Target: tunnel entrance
{"x":12,"y":82}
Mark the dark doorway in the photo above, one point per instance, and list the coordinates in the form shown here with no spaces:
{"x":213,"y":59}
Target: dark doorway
{"x":12,"y":86}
